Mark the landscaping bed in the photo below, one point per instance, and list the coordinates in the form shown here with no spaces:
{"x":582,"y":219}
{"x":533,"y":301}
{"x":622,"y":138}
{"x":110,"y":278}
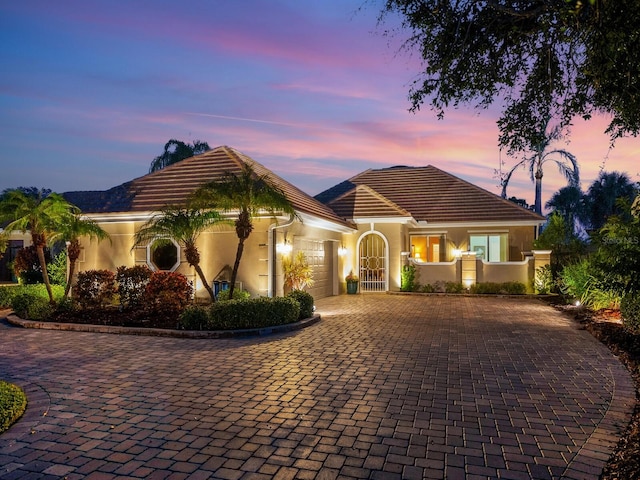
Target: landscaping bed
{"x":606,"y":326}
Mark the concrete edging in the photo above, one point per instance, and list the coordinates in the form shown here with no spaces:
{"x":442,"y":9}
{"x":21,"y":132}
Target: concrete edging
{"x":161,"y":332}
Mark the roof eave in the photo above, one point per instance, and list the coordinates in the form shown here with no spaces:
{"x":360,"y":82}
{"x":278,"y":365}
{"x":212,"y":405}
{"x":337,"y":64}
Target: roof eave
{"x":483,"y":223}
{"x":399,"y":219}
{"x":314,"y":221}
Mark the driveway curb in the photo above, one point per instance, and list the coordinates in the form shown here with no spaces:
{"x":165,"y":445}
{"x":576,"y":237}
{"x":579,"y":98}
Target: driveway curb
{"x":161,"y":332}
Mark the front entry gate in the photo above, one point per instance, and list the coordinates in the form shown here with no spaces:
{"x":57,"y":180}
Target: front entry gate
{"x":373,"y":263}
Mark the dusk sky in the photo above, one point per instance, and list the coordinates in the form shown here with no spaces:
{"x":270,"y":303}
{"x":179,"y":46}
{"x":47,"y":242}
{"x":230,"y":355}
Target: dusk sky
{"x":90,"y":91}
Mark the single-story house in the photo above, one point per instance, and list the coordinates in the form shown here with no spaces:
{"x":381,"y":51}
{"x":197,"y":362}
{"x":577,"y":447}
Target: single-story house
{"x":372,"y":224}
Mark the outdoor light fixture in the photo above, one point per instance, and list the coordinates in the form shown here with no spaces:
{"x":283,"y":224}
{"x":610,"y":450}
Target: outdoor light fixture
{"x":342,"y":250}
{"x":457,"y":253}
{"x":284,"y":248}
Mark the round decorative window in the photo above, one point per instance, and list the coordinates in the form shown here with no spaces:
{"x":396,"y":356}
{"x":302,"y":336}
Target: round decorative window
{"x":163,"y":254}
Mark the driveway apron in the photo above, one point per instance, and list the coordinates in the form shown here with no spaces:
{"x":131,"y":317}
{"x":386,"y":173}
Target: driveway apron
{"x":383,"y":387}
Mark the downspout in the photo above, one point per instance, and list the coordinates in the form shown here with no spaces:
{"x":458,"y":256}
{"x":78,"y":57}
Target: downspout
{"x":271,"y":263}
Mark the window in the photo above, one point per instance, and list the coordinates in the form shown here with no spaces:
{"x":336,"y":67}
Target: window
{"x":428,"y":248}
{"x":163,"y":254}
{"x":490,"y":247}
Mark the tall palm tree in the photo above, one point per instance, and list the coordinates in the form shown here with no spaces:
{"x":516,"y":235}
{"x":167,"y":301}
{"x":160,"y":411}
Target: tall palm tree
{"x":569,"y":202}
{"x":540,"y":155}
{"x":250,"y":195}
{"x":39,"y":212}
{"x":71,"y":231}
{"x":176,"y":150}
{"x":184,"y":225}
{"x":603,"y":194}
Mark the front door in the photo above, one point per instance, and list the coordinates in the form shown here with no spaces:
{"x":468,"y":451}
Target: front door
{"x":373,"y":263}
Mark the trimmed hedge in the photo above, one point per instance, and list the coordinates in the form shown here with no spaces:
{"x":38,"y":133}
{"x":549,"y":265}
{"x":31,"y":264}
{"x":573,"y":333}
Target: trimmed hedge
{"x":7,"y":293}
{"x":505,"y":288}
{"x":241,"y":314}
{"x":32,"y":307}
{"x":253,"y":313}
{"x":223,"y":295}
{"x":13,"y":403}
{"x":306,"y":302}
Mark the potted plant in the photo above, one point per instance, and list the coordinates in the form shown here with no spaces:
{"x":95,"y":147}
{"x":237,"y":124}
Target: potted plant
{"x":352,"y":283}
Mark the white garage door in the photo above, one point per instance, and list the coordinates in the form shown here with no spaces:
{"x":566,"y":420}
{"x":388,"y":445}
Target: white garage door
{"x":320,"y":256}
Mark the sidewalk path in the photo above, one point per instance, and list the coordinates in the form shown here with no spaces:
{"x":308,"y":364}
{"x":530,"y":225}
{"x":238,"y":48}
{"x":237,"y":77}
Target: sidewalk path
{"x":383,"y":387}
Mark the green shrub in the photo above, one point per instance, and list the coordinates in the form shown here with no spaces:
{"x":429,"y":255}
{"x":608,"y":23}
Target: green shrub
{"x":32,"y":306}
{"x":428,"y":288}
{"x":305,"y":300}
{"x":223,"y":295}
{"x":253,"y":313}
{"x":194,"y":317}
{"x":485,"y":288}
{"x":408,"y":278}
{"x":13,"y":403}
{"x":630,"y":310}
{"x":453,"y":287}
{"x":95,"y":288}
{"x":167,"y":293}
{"x":67,"y":305}
{"x":588,"y":284}
{"x":543,"y":281}
{"x":132,"y":282}
{"x":7,"y":293}
{"x":57,"y":269}
{"x":20,"y":304}
{"x":514,"y":288}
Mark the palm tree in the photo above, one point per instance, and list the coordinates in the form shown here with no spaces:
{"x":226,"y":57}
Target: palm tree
{"x":176,"y":150}
{"x":71,"y":231}
{"x":603,"y":194}
{"x":247,"y":193}
{"x":569,"y":202}
{"x":184,"y":225}
{"x":40,"y":212}
{"x":566,"y":162}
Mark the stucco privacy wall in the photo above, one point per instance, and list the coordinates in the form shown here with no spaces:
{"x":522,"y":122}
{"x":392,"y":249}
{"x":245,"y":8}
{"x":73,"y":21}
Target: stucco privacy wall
{"x":457,"y":237}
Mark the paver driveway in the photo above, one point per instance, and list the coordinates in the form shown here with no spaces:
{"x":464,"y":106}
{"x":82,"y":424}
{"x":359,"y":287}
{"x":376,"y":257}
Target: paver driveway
{"x":385,"y":386}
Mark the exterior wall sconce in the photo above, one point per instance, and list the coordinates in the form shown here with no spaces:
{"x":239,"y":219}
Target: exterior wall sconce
{"x":342,"y":250}
{"x":284,"y":248}
{"x":457,"y":253}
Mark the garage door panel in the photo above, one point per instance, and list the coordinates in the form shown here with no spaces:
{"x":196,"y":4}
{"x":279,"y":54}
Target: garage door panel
{"x":319,"y":254}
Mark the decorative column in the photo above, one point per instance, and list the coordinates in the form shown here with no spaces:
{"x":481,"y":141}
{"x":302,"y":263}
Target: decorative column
{"x":469,"y":266}
{"x":541,"y":258}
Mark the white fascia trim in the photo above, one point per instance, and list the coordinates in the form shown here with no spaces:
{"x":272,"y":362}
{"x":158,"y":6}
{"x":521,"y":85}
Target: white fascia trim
{"x":503,"y":224}
{"x":124,"y":217}
{"x":313,"y":221}
{"x":400,"y":220}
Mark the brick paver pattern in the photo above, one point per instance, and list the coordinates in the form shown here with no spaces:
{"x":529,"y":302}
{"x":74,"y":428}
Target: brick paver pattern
{"x":384,"y":387}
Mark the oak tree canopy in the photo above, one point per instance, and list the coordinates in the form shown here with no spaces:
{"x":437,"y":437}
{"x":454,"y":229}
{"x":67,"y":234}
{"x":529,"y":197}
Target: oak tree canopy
{"x":540,"y":59}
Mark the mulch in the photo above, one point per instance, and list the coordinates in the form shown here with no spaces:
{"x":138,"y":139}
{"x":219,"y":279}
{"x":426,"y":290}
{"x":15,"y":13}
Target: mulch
{"x":606,"y":326}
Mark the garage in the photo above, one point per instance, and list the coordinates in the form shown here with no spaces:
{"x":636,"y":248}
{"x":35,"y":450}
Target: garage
{"x":320,"y":255}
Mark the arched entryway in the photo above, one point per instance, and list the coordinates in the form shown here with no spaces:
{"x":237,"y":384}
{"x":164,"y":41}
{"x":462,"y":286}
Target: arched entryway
{"x":373,"y":261}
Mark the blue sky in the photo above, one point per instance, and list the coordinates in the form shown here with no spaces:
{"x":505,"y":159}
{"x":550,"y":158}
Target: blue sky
{"x":91,"y":90}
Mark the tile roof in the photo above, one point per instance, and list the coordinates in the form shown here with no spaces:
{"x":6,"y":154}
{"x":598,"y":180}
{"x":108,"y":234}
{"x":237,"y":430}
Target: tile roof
{"x":173,"y":184}
{"x":430,"y":195}
{"x":362,"y":201}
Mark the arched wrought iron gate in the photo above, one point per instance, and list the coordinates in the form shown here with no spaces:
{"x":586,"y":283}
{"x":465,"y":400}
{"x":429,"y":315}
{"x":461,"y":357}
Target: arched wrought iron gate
{"x":373,"y":263}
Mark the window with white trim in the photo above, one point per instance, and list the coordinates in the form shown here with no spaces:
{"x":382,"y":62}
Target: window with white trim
{"x":428,"y":248}
{"x":491,"y":247}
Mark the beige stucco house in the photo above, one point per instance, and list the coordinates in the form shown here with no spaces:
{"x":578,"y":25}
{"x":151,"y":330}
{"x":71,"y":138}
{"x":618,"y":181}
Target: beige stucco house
{"x":371,"y":224}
